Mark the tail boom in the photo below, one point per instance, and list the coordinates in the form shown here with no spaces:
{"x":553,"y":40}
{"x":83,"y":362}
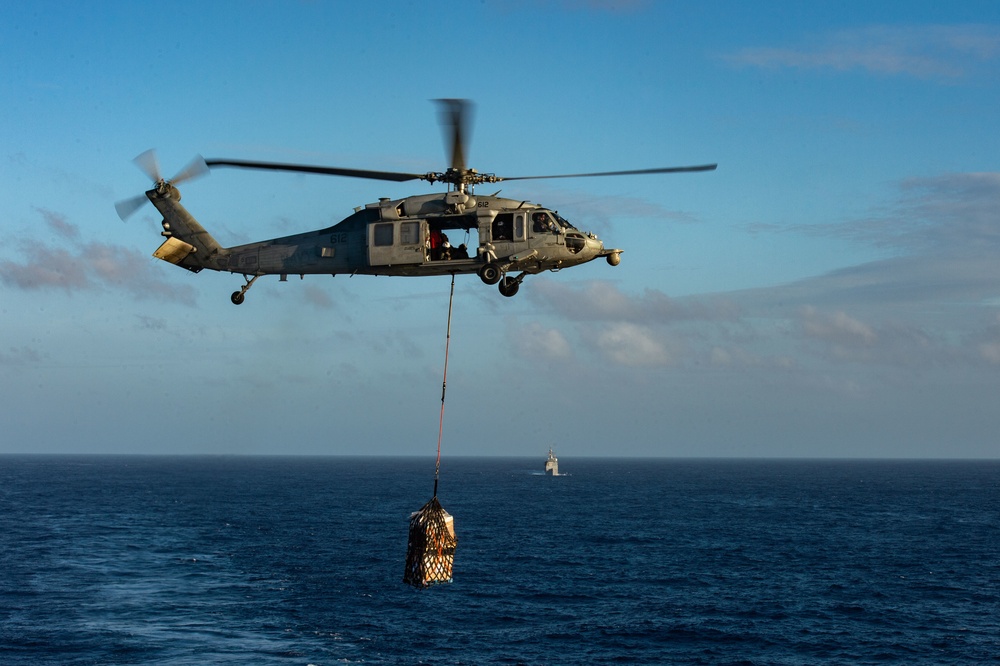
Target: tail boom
{"x":187,"y":243}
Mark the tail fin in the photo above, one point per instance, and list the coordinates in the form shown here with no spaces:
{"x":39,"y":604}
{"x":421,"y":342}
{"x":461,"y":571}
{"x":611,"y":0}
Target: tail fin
{"x":188,"y":245}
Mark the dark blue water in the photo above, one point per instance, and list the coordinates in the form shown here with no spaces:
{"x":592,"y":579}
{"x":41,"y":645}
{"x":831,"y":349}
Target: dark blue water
{"x":134,"y":560}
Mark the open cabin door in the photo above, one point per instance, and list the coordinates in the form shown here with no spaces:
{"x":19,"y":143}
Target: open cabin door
{"x":396,"y":242}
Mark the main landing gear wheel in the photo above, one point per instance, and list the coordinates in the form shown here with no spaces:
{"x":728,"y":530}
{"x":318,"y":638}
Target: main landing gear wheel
{"x":509,"y":286}
{"x":490,"y":273}
{"x":237,"y":297}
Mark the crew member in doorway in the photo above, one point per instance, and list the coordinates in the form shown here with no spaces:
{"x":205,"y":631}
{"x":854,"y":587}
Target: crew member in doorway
{"x":435,"y":244}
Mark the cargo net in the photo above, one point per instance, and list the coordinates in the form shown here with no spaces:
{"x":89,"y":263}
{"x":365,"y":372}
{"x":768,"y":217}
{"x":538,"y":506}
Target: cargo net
{"x":430,"y":552}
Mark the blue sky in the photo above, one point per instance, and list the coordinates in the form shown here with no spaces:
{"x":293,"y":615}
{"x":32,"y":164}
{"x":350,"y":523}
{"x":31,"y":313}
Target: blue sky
{"x":832,"y":290}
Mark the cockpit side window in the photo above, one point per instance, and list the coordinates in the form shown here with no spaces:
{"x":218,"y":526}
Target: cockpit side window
{"x":541,"y":222}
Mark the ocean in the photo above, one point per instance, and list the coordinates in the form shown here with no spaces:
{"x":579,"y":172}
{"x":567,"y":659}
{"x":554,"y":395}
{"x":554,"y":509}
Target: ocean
{"x":261,"y":560}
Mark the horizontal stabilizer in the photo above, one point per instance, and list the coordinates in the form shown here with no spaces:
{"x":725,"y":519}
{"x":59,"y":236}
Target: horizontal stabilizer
{"x":174,"y":250}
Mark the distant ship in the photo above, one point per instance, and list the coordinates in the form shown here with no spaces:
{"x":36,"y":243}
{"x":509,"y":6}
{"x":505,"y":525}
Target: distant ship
{"x":552,"y":464}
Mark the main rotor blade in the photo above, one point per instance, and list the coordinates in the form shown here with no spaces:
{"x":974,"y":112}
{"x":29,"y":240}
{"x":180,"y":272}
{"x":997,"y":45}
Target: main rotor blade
{"x":633,"y":172}
{"x":150,"y":166}
{"x":455,"y":115}
{"x":306,"y":168}
{"x":127,"y":207}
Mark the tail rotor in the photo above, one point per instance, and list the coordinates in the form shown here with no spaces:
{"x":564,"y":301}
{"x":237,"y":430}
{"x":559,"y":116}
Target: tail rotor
{"x":149,"y":165}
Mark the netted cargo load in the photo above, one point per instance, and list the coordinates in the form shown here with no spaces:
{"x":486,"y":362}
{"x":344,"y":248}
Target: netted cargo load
{"x":430,"y":552}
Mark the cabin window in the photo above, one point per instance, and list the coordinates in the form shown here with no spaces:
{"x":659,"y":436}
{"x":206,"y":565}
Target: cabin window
{"x":502,"y":226}
{"x":519,"y":226}
{"x":409,"y":233}
{"x":383,"y":234}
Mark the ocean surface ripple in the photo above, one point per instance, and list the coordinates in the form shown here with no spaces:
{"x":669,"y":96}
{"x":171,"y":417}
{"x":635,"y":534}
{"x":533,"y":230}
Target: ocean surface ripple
{"x":258,"y":560}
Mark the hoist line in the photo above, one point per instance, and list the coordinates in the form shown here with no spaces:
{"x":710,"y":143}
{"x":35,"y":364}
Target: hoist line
{"x":444,"y":385}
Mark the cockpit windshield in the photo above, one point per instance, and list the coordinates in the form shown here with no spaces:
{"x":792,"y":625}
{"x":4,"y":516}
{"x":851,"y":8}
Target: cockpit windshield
{"x":563,"y":222}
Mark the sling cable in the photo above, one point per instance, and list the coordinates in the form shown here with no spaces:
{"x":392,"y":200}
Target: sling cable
{"x":430,"y":550}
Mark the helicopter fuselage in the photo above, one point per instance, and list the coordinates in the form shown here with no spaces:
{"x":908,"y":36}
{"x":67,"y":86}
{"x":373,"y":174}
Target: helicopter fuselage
{"x":496,"y":236}
{"x":434,"y":234}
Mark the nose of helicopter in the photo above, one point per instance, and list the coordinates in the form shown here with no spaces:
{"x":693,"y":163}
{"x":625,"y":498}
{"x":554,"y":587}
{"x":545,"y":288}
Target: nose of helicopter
{"x":595,"y":249}
{"x":595,"y":246}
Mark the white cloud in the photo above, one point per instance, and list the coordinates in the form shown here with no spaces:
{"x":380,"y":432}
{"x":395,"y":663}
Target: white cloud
{"x":632,"y":345}
{"x":950,"y":214}
{"x":86,"y":266}
{"x":20,"y":356}
{"x":599,"y":300}
{"x":149,"y":323}
{"x":733,"y":357}
{"x":720,"y":356}
{"x":989,"y":341}
{"x":945,"y":234}
{"x":838,"y":327}
{"x":318,"y":297}
{"x":59,"y":224}
{"x":942,"y":52}
{"x":990,"y":351}
{"x":539,"y":342}
{"x":922,"y":308}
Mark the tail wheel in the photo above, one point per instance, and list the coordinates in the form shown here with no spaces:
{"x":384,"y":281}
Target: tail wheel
{"x":490,"y":273}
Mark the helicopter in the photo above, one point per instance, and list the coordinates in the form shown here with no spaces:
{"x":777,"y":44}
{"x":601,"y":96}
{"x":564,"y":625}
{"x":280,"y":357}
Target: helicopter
{"x":507,"y":239}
